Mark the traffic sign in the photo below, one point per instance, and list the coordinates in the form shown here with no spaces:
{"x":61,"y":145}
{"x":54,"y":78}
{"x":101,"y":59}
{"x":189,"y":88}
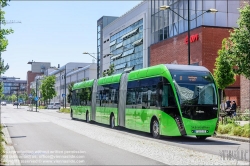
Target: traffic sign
{"x":36,"y":98}
{"x":30,"y":96}
{"x":63,"y":95}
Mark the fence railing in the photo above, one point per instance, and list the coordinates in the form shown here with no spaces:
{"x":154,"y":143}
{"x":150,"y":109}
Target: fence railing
{"x":239,"y":116}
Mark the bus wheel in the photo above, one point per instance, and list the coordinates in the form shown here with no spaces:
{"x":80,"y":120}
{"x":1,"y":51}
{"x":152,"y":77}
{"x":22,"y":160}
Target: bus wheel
{"x":201,"y":137}
{"x":87,"y":117}
{"x":155,"y":128}
{"x":112,"y":121}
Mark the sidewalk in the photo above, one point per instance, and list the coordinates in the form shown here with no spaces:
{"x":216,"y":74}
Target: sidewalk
{"x":10,"y":157}
{"x":234,"y":138}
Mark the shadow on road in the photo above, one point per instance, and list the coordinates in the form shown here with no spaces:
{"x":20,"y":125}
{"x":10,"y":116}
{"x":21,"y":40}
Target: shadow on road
{"x":188,"y":140}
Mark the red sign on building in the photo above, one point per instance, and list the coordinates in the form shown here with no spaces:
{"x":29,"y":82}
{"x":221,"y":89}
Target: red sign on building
{"x":193,"y":38}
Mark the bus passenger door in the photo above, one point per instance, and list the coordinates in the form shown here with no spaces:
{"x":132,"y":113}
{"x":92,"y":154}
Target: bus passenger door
{"x":130,"y":109}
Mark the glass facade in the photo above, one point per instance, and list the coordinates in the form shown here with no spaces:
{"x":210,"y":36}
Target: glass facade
{"x":167,"y":24}
{"x":126,"y":48}
{"x":12,"y":86}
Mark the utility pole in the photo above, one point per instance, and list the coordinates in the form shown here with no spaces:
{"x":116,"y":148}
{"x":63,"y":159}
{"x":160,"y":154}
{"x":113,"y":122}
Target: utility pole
{"x":17,"y":96}
{"x":36,"y":95}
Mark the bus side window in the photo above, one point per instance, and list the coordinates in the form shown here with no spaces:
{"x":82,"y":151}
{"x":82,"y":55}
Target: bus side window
{"x":165,"y":96}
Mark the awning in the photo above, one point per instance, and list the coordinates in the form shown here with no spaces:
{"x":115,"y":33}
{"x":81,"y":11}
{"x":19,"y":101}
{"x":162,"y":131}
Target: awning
{"x":130,"y":33}
{"x":137,"y":42}
{"x":126,"y":53}
{"x":120,"y":66}
{"x":116,"y":56}
{"x":112,"y":43}
{"x":119,"y":45}
{"x":129,"y":69}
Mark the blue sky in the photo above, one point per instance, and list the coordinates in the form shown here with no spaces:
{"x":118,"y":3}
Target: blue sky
{"x":54,"y":31}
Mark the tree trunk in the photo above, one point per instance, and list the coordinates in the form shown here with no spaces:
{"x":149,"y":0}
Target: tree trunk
{"x":222,"y":101}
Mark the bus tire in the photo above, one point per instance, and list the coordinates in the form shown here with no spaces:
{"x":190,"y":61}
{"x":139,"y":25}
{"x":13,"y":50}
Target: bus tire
{"x":201,"y":137}
{"x":112,"y":121}
{"x":87,"y":117}
{"x":155,"y":128}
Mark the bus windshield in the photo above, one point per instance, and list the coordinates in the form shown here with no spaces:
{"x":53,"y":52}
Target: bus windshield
{"x":194,"y":88}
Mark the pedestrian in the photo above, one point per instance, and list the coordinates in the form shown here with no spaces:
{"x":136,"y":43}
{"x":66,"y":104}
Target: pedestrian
{"x":228,"y":103}
{"x":233,"y":108}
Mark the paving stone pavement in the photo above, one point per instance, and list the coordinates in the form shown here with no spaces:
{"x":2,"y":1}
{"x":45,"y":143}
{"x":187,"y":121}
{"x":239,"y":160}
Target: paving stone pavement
{"x":10,"y":157}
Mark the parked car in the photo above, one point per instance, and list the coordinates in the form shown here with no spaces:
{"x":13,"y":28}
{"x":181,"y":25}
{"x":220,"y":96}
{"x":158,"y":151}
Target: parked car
{"x":56,"y":106}
{"x":50,"y":106}
{"x":3,"y":103}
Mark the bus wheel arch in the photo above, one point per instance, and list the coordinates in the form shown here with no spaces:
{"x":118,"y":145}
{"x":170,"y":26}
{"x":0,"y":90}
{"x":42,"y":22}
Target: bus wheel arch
{"x":155,"y":127}
{"x":112,"y":120}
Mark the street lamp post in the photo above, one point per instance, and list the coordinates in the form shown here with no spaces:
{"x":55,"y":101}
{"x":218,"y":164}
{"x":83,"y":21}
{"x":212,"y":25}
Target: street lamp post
{"x":97,"y":61}
{"x":90,"y":54}
{"x":165,"y":7}
{"x":65,"y":88}
{"x":36,"y":94}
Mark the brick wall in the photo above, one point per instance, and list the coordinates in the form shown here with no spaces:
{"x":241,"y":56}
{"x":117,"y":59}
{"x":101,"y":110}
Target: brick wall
{"x":30,"y":78}
{"x":175,"y":50}
{"x":204,"y":52}
{"x":245,"y":93}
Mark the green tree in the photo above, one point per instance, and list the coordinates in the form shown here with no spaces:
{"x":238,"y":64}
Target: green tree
{"x":13,"y":97}
{"x":48,"y":88}
{"x":1,"y":90}
{"x":24,"y":96}
{"x":69,"y":96}
{"x":223,"y":72}
{"x":109,"y":71}
{"x":239,"y":44}
{"x":3,"y":40}
{"x":33,"y":92}
{"x":9,"y":98}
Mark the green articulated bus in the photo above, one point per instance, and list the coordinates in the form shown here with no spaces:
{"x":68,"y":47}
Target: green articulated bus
{"x":170,"y":100}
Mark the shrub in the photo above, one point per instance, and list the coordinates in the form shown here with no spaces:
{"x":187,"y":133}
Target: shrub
{"x":1,"y":146}
{"x":246,"y":131}
{"x":238,"y":130}
{"x":65,"y":110}
{"x":226,"y":129}
{"x":234,"y":129}
{"x":41,"y":107}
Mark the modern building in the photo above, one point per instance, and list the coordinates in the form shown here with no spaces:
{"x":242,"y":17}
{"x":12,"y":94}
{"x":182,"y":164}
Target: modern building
{"x":126,"y":40}
{"x":101,"y":23}
{"x":37,"y":68}
{"x":73,"y":72}
{"x":147,"y":36}
{"x":207,"y":30}
{"x":12,"y":85}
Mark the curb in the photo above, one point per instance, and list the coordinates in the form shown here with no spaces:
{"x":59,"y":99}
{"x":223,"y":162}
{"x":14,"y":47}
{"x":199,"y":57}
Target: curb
{"x":234,"y":138}
{"x":10,"y":157}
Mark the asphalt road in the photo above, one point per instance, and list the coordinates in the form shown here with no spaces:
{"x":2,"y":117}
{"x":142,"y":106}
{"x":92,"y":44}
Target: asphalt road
{"x":42,"y":140}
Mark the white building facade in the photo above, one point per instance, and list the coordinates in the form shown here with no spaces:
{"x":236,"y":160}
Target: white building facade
{"x":75,"y":72}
